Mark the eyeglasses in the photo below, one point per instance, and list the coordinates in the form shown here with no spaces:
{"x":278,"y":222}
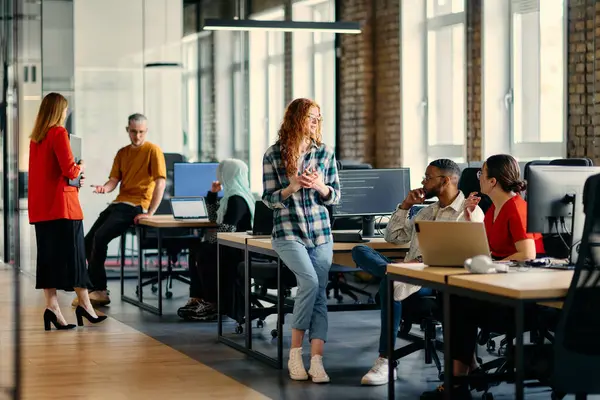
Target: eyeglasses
{"x":428,"y":178}
{"x":314,"y":119}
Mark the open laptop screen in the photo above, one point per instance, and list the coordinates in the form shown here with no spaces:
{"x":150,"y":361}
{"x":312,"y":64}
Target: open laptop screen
{"x":188,"y":208}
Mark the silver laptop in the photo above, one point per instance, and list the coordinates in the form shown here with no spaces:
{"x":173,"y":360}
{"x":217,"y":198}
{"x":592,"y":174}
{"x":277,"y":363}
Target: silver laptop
{"x":450,"y":243}
{"x":188,"y":208}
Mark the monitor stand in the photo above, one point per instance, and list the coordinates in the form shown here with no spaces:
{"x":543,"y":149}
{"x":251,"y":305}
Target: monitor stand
{"x":368,"y":226}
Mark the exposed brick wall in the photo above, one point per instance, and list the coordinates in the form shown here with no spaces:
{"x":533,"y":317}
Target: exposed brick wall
{"x":370,"y":80}
{"x":387,"y":84}
{"x":473,"y":52}
{"x":356,"y":137}
{"x":583,"y":137}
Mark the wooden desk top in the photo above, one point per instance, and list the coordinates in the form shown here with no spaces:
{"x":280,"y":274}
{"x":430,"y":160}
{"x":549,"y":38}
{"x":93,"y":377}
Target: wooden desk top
{"x":167,"y":221}
{"x":422,"y":271}
{"x":526,"y":285}
{"x":374,"y":243}
{"x":237,"y":237}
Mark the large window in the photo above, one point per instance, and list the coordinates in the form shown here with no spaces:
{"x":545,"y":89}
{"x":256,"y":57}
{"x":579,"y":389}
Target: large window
{"x":239,"y":98}
{"x":191,"y":108}
{"x":198,"y":92}
{"x":314,"y":62}
{"x":433,"y":74}
{"x":524,"y":78}
{"x":267,"y":101}
{"x":445,"y":80}
{"x":538,"y":77}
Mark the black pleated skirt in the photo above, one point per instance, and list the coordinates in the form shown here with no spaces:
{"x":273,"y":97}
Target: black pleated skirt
{"x":61,"y":260}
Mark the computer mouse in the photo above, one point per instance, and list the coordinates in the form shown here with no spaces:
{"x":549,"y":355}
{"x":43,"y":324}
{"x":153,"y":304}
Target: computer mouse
{"x":481,"y":264}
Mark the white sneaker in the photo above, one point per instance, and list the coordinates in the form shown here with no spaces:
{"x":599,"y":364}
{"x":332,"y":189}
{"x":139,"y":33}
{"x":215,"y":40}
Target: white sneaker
{"x":378,"y":375}
{"x":296,"y":365}
{"x":403,"y":290}
{"x":317,"y":371}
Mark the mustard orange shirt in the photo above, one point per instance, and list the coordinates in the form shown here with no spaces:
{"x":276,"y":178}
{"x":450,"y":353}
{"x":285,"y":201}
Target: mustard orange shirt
{"x":137,"y":168}
{"x":509,"y":227}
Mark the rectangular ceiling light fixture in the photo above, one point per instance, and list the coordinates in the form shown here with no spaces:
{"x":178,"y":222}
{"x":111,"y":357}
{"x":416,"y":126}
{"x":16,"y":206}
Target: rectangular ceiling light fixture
{"x":281,"y":26}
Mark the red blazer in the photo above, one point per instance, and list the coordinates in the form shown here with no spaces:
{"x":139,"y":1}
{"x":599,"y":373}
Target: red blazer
{"x":51,"y":164}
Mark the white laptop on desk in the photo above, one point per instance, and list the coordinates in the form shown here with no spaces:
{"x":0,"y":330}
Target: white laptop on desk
{"x":450,"y":243}
{"x":188,"y":208}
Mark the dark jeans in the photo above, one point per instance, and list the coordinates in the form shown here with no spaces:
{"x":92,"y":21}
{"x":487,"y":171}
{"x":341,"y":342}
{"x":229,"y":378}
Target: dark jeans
{"x":376,"y":264}
{"x":203,"y":270}
{"x":111,"y":223}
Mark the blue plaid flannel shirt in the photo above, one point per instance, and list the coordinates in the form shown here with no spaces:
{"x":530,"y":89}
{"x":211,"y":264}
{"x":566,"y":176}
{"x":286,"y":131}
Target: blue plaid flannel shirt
{"x":302,"y":216}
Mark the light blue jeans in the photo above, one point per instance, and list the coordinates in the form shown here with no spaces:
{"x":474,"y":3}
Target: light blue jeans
{"x":311,"y":266}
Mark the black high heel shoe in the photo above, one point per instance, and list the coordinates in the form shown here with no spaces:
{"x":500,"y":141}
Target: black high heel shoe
{"x":50,"y":317}
{"x":80,"y":313}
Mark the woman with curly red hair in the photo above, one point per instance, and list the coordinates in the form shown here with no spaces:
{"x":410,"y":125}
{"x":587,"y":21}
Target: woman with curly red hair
{"x":300,"y":178}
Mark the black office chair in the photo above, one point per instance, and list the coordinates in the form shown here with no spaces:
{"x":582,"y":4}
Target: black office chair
{"x":425,"y":311}
{"x":575,"y":162}
{"x":264,"y":276}
{"x":469,"y":183}
{"x":576,"y":347}
{"x":170,"y":160}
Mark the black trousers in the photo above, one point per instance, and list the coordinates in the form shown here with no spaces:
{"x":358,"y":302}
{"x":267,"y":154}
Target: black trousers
{"x":203,"y":270}
{"x":111,"y":223}
{"x":467,"y":315}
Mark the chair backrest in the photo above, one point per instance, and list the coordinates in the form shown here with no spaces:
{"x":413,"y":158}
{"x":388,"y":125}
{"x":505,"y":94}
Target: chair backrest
{"x":574,"y":162}
{"x":530,"y":163}
{"x":352,"y":164}
{"x":469,"y":182}
{"x":170,"y":160}
{"x":576,"y":345}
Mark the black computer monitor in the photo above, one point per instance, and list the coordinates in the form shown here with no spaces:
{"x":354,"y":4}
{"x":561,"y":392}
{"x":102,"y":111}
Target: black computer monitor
{"x":193,"y":179}
{"x":555,"y":203}
{"x":370,"y":192}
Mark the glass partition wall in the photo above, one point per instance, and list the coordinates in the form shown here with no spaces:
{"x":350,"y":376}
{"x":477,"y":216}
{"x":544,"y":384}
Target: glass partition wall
{"x":14,"y":17}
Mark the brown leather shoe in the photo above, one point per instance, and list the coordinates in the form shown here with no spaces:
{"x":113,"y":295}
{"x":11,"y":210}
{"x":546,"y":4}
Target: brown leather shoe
{"x":99,"y":298}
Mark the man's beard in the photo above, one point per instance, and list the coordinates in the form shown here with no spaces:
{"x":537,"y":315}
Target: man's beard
{"x":434,"y":192}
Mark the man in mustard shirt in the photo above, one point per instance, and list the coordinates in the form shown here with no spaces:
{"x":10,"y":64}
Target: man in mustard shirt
{"x":141,"y":171}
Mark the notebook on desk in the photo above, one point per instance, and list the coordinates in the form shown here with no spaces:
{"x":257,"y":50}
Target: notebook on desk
{"x":188,"y":208}
{"x":450,"y":243}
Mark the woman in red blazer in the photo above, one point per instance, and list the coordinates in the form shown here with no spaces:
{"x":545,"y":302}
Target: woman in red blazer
{"x":55,"y":212}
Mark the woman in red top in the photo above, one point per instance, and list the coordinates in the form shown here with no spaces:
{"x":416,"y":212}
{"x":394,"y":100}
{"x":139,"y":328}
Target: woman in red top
{"x":55,"y":212}
{"x":506,"y":220}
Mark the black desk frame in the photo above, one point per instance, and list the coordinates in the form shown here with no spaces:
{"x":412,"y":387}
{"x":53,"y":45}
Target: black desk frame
{"x":449,"y":290}
{"x":247,"y":348}
{"x":139,"y":300}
